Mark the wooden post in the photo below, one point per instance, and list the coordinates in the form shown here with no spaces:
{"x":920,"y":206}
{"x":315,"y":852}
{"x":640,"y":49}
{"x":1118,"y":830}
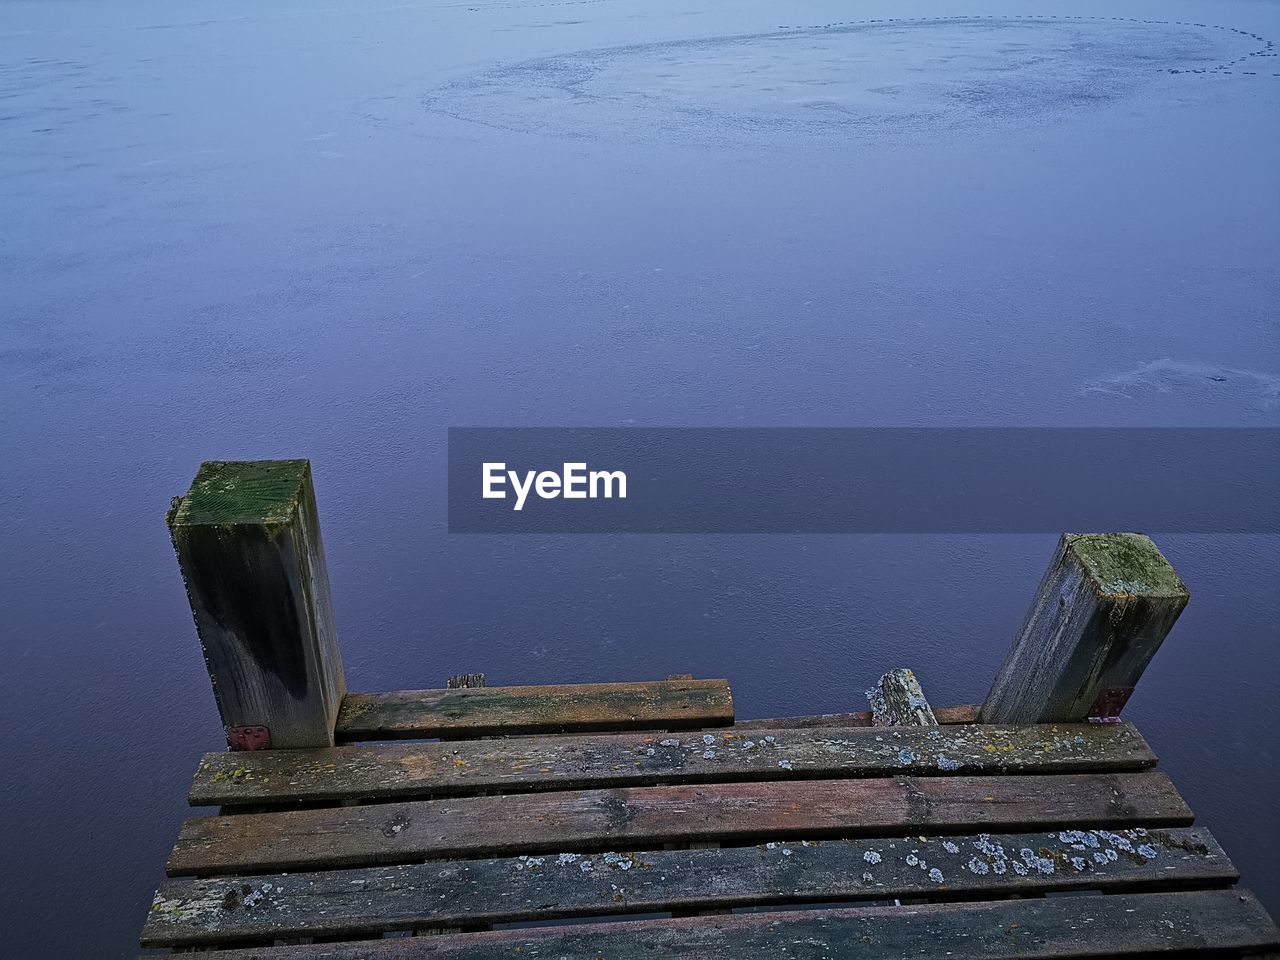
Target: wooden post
{"x":248,"y":541}
{"x":897,"y":700}
{"x":1103,"y":608}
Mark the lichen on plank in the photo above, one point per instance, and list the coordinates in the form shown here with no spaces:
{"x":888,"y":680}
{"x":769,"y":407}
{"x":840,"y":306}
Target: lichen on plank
{"x":394,"y":770}
{"x":556,"y":885}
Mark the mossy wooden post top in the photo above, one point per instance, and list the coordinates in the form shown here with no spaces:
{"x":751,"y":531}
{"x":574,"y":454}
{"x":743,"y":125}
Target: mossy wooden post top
{"x":1125,"y":565}
{"x":1104,"y":607}
{"x":247,"y":535}
{"x":229,"y":492}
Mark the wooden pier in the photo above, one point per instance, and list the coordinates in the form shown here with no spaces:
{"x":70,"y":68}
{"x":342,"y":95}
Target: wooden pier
{"x":642,"y":820}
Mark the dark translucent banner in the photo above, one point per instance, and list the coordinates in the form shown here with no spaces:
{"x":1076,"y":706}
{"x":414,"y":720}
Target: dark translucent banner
{"x":863,"y":480}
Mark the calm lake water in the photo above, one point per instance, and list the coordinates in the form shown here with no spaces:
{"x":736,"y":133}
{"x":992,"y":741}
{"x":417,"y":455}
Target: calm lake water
{"x":332,"y":229}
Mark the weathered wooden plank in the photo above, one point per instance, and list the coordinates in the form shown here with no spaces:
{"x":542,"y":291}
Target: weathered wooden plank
{"x":365,"y":901}
{"x":1101,"y":612}
{"x":247,"y":537}
{"x":897,"y":700}
{"x":481,"y":711}
{"x":967,"y":713}
{"x":650,"y":816}
{"x":1198,"y":922}
{"x":400,"y":770}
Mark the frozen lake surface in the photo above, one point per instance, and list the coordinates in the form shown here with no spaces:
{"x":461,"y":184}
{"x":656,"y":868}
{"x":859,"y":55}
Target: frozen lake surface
{"x":329,"y":229}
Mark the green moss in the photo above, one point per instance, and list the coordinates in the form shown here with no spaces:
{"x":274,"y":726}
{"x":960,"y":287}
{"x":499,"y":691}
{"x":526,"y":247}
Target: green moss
{"x":228,"y":492}
{"x":1128,"y":563}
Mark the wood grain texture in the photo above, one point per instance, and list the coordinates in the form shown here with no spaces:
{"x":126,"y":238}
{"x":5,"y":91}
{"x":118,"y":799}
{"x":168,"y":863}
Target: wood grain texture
{"x":247,"y":536}
{"x":400,"y":770}
{"x":1102,"y":610}
{"x":417,"y":714}
{"x":463,"y":680}
{"x":897,"y":700}
{"x":365,"y":901}
{"x":966,"y":713}
{"x":1085,"y":927}
{"x":646,"y":816}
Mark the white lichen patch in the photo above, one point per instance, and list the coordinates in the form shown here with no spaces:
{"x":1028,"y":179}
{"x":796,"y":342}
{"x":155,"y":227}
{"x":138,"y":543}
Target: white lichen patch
{"x":708,"y":754}
{"x":708,"y":739}
{"x":785,"y":764}
{"x":935,"y":875}
{"x":946,"y":763}
{"x":989,"y":849}
{"x":1111,"y":844}
{"x":670,"y":743}
{"x":871,"y":857}
{"x":1036,"y":862}
{"x":993,"y":857}
{"x":950,"y":847}
{"x":618,"y":861}
{"x":260,"y":893}
{"x":1062,"y":744}
{"x":206,"y":911}
{"x":906,"y":756}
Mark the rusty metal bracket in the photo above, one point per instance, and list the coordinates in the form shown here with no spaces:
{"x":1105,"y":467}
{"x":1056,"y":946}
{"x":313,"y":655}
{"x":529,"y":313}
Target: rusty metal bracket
{"x":248,"y":738}
{"x":1106,"y":709}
